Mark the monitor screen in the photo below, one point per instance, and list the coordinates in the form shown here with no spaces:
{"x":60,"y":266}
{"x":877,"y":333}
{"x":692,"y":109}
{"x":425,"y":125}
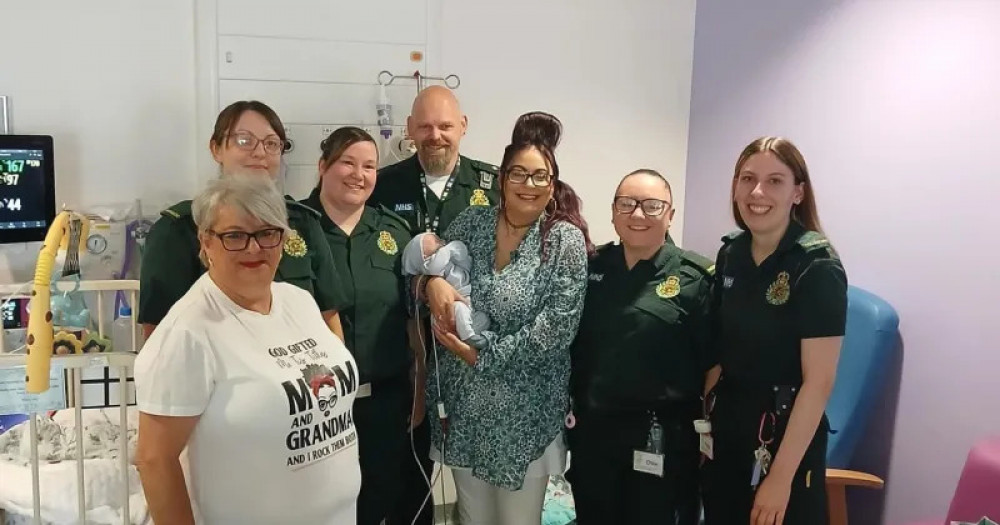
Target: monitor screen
{"x":27,"y":187}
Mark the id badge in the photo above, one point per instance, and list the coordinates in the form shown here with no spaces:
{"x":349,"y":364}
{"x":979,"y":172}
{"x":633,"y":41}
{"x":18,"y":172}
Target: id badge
{"x":651,"y":459}
{"x":647,"y":462}
{"x":707,"y":445}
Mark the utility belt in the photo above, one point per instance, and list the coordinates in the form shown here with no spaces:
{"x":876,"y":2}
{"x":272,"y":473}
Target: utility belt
{"x":767,"y":406}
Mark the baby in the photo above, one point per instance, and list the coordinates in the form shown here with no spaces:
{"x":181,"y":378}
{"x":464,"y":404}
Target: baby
{"x":427,"y":254}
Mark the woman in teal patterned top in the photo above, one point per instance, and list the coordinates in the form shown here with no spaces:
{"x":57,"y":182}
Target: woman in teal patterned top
{"x":506,"y":403}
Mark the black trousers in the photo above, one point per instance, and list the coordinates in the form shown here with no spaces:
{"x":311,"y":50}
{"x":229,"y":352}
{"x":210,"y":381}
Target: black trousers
{"x":383,"y":446}
{"x":414,"y":487}
{"x":607,"y":490}
{"x":726,"y":490}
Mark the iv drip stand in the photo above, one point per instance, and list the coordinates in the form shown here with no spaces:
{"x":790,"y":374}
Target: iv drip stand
{"x":448,"y":80}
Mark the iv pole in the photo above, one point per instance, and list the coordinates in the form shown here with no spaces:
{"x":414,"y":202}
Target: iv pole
{"x":448,"y":80}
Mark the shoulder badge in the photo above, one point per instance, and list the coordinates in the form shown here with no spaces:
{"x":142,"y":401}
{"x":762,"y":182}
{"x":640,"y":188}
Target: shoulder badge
{"x":780,"y":289}
{"x":811,"y":240}
{"x":295,"y":245}
{"x":485,"y":180}
{"x":387,"y":243}
{"x":731,"y":236}
{"x":293,"y":204}
{"x":178,"y":210}
{"x":479,"y":198}
{"x":701,"y":262}
{"x":670,"y":287}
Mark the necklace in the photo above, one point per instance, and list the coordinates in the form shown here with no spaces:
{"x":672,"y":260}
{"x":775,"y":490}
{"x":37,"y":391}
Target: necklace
{"x":514,"y":227}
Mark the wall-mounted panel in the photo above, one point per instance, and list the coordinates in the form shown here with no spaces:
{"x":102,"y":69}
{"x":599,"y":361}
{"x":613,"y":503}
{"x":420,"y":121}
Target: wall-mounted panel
{"x":319,"y":103}
{"x":396,"y":21}
{"x":280,"y":59}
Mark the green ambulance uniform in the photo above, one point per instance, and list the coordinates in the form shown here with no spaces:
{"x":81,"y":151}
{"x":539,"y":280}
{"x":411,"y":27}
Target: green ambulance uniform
{"x":641,"y":353}
{"x":763,"y":314}
{"x":369,"y":266}
{"x":170,"y":264}
{"x":402,"y":189}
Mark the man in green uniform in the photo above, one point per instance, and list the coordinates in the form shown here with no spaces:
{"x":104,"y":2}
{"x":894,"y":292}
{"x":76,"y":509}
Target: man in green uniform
{"x":429,"y":190}
{"x":170,"y":264}
{"x":638,"y":368}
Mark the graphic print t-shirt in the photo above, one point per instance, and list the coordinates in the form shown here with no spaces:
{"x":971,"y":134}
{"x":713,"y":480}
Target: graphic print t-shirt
{"x":275,"y":442}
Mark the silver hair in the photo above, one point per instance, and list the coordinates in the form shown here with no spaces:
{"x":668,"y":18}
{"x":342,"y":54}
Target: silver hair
{"x":255,"y":196}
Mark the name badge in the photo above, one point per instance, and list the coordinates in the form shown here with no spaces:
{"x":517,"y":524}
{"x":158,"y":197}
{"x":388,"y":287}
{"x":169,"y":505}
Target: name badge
{"x":707,"y":445}
{"x":647,"y":462}
{"x":403,"y":206}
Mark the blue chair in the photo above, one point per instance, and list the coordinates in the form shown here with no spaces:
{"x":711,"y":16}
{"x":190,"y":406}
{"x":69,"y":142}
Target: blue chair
{"x":871,"y":339}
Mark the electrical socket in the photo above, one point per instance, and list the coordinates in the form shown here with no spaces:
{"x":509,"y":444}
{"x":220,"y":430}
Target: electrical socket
{"x":327,"y":130}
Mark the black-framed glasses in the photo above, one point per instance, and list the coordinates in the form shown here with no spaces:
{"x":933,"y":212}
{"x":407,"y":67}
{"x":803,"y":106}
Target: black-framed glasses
{"x":237,"y":241}
{"x":650,"y":207}
{"x":247,"y":141}
{"x":541,"y":178}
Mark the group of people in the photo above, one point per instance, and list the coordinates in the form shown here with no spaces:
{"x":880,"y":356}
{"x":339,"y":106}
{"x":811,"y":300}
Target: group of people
{"x":308,"y":362}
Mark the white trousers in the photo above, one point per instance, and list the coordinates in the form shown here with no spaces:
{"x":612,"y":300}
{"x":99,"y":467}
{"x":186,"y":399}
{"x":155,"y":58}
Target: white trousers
{"x":480,"y":503}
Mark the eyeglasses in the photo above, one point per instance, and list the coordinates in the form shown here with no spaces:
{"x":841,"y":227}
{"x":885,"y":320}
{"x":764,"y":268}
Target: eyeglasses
{"x":247,"y":141}
{"x":541,"y":178}
{"x":650,"y":207}
{"x":237,"y":241}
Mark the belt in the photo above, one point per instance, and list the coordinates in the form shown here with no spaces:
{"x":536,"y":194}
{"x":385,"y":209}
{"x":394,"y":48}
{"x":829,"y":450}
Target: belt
{"x":370,"y":388}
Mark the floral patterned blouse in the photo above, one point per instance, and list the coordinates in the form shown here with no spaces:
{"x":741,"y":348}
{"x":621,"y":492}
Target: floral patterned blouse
{"x":504,"y":411}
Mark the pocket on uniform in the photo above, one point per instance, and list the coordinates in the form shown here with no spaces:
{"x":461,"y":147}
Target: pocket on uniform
{"x":297,"y":271}
{"x":384,"y":262}
{"x":663,"y":309}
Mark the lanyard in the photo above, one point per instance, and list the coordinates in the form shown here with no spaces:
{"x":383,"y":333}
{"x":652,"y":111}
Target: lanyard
{"x":434,"y":219}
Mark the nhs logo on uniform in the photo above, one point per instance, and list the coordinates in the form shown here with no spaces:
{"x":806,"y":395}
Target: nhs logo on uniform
{"x":727,"y":282}
{"x":596,"y":277}
{"x":403,"y":206}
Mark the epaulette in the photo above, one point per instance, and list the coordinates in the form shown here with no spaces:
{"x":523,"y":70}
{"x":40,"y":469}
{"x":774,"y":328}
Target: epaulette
{"x":181,"y":209}
{"x":479,"y":165}
{"x":295,"y":205}
{"x":486,"y":173}
{"x":731,"y":236}
{"x":812,"y":240}
{"x":706,"y":265}
{"x":388,"y":216}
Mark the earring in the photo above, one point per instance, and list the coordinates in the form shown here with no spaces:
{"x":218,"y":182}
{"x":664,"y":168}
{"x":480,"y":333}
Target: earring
{"x":555,"y":206}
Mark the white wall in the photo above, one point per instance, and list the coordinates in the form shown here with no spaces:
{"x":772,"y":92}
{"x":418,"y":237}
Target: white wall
{"x":618,"y":74}
{"x":895,"y":106}
{"x":113,"y":82}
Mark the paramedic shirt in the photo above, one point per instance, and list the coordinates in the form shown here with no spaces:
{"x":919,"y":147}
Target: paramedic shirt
{"x":644,"y":337}
{"x":798,"y":292}
{"x":170,"y":263}
{"x":368,"y":264}
{"x":399,"y":188}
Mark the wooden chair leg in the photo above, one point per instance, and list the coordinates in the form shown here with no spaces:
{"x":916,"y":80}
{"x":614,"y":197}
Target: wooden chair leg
{"x":837,"y":500}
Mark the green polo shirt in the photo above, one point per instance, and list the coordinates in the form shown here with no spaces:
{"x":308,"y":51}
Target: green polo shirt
{"x":644,"y":339}
{"x":400,"y":189}
{"x":170,"y":263}
{"x":765,"y":311}
{"x":368,"y":262}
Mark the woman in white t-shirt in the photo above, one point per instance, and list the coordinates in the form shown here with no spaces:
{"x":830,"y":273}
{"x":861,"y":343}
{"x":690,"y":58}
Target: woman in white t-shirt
{"x":244,"y":384}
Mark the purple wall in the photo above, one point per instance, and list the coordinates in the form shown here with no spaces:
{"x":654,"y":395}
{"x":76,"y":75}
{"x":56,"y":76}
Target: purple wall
{"x":896,"y":106}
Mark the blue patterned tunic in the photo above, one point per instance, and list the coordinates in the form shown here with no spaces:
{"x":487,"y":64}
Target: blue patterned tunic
{"x":504,"y":411}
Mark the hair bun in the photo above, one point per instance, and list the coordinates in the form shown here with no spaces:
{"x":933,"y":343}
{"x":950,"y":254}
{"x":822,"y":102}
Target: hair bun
{"x":537,"y":127}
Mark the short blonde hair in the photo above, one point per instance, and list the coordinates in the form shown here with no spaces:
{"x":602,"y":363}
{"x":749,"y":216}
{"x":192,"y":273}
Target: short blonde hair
{"x":256,"y":196}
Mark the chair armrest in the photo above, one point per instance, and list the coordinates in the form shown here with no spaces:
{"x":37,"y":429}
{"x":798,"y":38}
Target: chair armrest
{"x":853,"y":478}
